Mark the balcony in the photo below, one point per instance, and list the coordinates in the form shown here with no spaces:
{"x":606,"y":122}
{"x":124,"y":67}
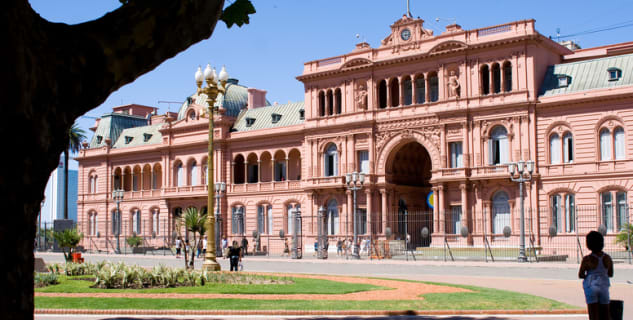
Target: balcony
{"x":265,"y":186}
{"x":490,"y":172}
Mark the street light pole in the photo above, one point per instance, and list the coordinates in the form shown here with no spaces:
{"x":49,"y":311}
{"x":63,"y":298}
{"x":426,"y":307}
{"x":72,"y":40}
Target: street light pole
{"x":216,"y":84}
{"x":322,"y":233}
{"x":523,"y":171}
{"x":355,"y":182}
{"x":117,"y":195}
{"x":220,"y":188}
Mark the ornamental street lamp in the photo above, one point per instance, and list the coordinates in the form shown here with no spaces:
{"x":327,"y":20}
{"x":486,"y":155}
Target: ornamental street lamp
{"x":354,"y":183}
{"x":220,"y":189}
{"x":216,"y":84}
{"x":321,"y":233}
{"x":521,"y":172}
{"x":117,"y":196}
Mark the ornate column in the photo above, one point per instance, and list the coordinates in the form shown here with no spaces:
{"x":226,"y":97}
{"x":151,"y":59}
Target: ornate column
{"x":383,"y":214}
{"x":501,"y":78}
{"x":287,"y":171}
{"x":491,"y":80}
{"x":259,"y":171}
{"x":440,"y":189}
{"x":348,"y":213}
{"x":388,"y":85}
{"x":368,"y":199}
{"x":245,"y":172}
{"x":427,"y":96}
{"x":414,"y":96}
{"x":466,"y":146}
{"x":231,"y":174}
{"x":401,"y":91}
{"x":436,"y":210}
{"x":466,"y":213}
{"x":443,"y":146}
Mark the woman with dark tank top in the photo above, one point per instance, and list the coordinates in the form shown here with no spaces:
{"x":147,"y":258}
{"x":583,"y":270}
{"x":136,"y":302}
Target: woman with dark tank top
{"x":595,"y":270}
{"x":235,"y":255}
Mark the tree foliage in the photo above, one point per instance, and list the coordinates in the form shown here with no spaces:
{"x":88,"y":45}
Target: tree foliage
{"x":68,"y":240}
{"x":625,"y":237}
{"x":196,"y":223}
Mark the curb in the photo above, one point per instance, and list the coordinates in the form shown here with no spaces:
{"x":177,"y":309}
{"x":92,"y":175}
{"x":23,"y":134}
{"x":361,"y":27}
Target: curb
{"x":309,"y":312}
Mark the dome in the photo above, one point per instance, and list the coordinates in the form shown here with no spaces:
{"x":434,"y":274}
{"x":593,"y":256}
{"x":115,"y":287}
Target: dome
{"x":235,"y":99}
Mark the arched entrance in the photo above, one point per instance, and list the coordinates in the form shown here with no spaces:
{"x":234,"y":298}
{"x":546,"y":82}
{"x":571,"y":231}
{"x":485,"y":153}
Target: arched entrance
{"x":408,"y":171}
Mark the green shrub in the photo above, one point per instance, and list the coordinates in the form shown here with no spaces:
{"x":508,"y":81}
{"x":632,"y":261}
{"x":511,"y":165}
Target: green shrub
{"x":68,"y":241}
{"x":625,"y":237}
{"x":45,"y":279}
{"x":134,"y":241}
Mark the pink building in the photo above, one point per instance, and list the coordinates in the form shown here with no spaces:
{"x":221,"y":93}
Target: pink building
{"x":421,"y":114}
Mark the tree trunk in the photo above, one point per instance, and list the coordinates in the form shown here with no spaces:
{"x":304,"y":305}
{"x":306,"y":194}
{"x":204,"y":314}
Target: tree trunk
{"x":51,"y":73}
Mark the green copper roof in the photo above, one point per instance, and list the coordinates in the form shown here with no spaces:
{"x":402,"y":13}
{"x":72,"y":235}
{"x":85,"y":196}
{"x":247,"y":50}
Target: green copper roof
{"x":282,"y":115}
{"x":587,"y":75}
{"x":139,"y":136}
{"x":111,"y":125}
{"x":235,"y":100}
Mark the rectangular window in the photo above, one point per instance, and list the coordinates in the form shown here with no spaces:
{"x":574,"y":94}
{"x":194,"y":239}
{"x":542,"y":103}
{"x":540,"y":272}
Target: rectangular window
{"x":280,"y":171}
{"x":291,"y":220}
{"x":237,"y":220}
{"x":455,"y":221}
{"x":607,"y":211}
{"x":568,"y":148}
{"x":363,"y":161}
{"x":155,"y":223}
{"x":456,"y":155}
{"x":362,"y":221}
{"x":618,"y":136}
{"x":270,"y":220}
{"x":252,"y":173}
{"x":261,"y":219}
{"x":622,"y":211}
{"x":557,"y":220}
{"x":329,"y":165}
{"x":605,"y":145}
{"x":570,"y":213}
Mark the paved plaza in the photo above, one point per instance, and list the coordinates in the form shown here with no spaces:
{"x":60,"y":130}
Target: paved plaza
{"x":551,"y":280}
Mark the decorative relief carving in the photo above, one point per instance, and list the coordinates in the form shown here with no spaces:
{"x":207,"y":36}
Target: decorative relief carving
{"x":415,"y":123}
{"x":453,"y":85}
{"x":360,"y":96}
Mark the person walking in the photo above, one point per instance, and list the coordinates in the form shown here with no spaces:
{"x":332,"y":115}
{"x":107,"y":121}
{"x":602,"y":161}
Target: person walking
{"x":244,"y":246}
{"x":204,"y":246}
{"x":595,"y":270}
{"x":286,"y":248}
{"x":235,"y":255}
{"x":339,"y":247}
{"x":178,"y":247}
{"x":225,"y":247}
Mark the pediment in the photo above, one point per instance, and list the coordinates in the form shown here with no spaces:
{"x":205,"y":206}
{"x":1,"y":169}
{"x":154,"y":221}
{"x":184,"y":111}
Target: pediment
{"x":358,"y":62}
{"x":448,"y":46}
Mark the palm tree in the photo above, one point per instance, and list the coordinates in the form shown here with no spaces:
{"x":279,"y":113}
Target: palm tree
{"x":75,"y":136}
{"x":195,"y":222}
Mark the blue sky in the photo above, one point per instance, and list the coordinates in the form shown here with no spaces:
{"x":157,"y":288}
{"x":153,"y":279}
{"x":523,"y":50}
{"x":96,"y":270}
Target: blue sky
{"x":269,"y":52}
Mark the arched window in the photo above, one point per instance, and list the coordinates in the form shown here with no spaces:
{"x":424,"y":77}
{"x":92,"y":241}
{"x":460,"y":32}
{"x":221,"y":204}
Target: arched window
{"x":117,"y":181}
{"x":179,"y":177}
{"x":554,"y":149}
{"x":563,"y":207}
{"x":614,"y":200}
{"x":136,"y":179}
{"x":290,"y":221}
{"x":205,"y":173}
{"x":500,"y":212}
{"x":382,"y":94}
{"x":332,"y":217}
{"x":330,"y":103}
{"x":408,"y":91}
{"x":337,"y":101}
{"x":618,"y":143}
{"x":237,"y":219}
{"x":157,"y":177}
{"x":496,"y":78}
{"x":262,"y":226}
{"x":331,"y":161}
{"x":568,"y":147}
{"x":193,"y":173}
{"x":394,"y":89}
{"x":605,"y":144}
{"x":321,"y":103}
{"x":420,"y":90}
{"x":485,"y":80}
{"x":136,"y":221}
{"x":92,"y":220}
{"x":434,"y":87}
{"x":499,"y":146}
{"x":507,"y":76}
{"x":238,"y":169}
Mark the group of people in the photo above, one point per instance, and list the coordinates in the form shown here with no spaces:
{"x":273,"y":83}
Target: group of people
{"x":201,"y":247}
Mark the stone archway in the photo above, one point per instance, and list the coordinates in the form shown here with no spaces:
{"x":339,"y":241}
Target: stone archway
{"x":407,"y":172}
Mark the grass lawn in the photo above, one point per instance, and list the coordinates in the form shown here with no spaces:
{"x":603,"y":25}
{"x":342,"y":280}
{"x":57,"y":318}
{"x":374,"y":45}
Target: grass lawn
{"x":300,"y":286}
{"x":478,"y":299}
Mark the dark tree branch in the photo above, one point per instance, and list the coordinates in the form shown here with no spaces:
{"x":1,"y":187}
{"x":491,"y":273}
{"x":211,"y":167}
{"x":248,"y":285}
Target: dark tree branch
{"x":51,"y":73}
